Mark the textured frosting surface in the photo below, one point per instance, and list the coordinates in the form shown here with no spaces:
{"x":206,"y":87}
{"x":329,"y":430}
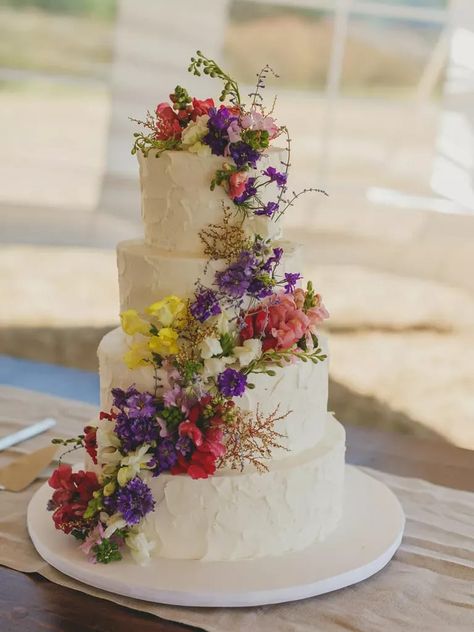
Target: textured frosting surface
{"x":300,"y":388}
{"x":147,"y":274}
{"x":235,"y":515}
{"x":177,"y":202}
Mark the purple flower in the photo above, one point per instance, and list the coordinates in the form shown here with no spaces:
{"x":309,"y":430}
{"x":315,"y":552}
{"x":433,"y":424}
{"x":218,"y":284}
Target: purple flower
{"x":243,"y":154}
{"x":231,"y":383}
{"x":134,"y":431}
{"x":269,"y":209}
{"x":291,"y":278}
{"x":135,"y":500}
{"x":205,"y":304}
{"x":120,"y":396}
{"x":141,"y":405}
{"x":260,"y":288}
{"x":164,"y":458}
{"x":235,"y":280}
{"x":276,"y":176}
{"x":250,"y":191}
{"x":272,"y":262}
{"x":218,"y":137}
{"x":184,"y":445}
{"x":110,"y":504}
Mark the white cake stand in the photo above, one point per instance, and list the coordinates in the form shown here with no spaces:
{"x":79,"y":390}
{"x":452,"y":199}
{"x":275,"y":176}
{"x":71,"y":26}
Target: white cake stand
{"x":365,"y":541}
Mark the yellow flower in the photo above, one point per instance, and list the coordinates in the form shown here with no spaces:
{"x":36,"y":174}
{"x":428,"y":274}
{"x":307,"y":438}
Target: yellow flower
{"x":110,"y":488}
{"x":133,"y":324}
{"x":138,"y":354}
{"x":170,"y":309}
{"x":165,"y":343}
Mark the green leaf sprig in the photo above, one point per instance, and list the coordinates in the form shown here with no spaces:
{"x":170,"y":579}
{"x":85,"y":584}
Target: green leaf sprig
{"x":200,"y":64}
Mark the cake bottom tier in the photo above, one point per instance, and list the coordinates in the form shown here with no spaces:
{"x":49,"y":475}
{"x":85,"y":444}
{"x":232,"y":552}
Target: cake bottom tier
{"x":240,"y":515}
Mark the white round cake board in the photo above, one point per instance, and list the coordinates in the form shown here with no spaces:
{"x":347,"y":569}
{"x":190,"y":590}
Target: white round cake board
{"x":364,"y":542}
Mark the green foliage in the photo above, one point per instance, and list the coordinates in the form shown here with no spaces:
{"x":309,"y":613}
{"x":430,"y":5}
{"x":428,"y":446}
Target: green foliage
{"x":227,"y":343}
{"x":147,"y":142}
{"x":257,"y":139}
{"x":202,"y":65}
{"x":94,"y":506}
{"x":180,"y":98}
{"x":107,"y":551}
{"x":173,"y":417}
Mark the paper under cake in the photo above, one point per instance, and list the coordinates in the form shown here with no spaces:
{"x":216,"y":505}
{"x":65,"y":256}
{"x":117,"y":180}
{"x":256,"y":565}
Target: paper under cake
{"x":214,"y":441}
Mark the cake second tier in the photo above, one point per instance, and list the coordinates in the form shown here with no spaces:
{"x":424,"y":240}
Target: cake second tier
{"x":299,"y":389}
{"x":147,"y":274}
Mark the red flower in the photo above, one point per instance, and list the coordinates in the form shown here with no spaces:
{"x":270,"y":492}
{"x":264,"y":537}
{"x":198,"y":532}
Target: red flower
{"x":109,"y":416}
{"x":167,"y":123}
{"x":71,"y":496}
{"x":202,"y":465}
{"x":90,"y":442}
{"x":237,"y":182}
{"x":201,"y":107}
{"x":189,"y":429}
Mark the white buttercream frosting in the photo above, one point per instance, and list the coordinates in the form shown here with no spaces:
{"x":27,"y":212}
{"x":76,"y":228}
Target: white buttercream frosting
{"x":239,"y":515}
{"x":177,"y":202}
{"x":147,"y":274}
{"x":300,"y":389}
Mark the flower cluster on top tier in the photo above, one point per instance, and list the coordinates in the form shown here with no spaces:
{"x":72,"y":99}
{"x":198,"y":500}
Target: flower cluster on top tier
{"x":202,"y":351}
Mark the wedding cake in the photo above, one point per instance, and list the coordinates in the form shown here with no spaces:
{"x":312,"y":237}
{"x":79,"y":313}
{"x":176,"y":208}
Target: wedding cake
{"x":214,"y":441}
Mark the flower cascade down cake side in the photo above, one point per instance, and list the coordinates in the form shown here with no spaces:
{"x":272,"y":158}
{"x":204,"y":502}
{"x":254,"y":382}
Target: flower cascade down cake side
{"x":214,"y":441}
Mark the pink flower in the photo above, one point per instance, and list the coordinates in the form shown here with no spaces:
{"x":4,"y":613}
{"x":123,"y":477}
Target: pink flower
{"x":237,"y":183}
{"x":299,"y":295}
{"x":255,"y":120}
{"x":167,"y":122}
{"x":234,"y":131}
{"x":213,"y":441}
{"x":201,"y":107}
{"x":95,"y":537}
{"x":278,"y":321}
{"x":317,"y":314}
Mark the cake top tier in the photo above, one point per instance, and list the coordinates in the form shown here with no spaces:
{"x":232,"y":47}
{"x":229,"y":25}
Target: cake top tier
{"x":178,"y":202}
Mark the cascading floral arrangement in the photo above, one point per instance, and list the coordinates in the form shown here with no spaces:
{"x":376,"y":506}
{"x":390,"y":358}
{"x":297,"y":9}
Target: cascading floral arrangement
{"x":204,"y":350}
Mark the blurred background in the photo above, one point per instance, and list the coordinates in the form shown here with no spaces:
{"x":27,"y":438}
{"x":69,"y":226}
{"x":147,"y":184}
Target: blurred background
{"x":379,"y":99}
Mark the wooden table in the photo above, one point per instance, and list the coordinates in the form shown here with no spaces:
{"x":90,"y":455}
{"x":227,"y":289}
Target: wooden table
{"x":29,"y":603}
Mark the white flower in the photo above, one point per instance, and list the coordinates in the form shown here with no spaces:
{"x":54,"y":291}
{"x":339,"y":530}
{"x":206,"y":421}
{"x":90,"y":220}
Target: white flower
{"x":214,"y":366}
{"x":210,"y":347}
{"x":113,"y":523}
{"x":249,"y":351}
{"x":193,"y":134}
{"x":262,"y":225}
{"x":222,"y":322}
{"x":108,"y":444}
{"x":131,"y":464}
{"x":140,"y":547}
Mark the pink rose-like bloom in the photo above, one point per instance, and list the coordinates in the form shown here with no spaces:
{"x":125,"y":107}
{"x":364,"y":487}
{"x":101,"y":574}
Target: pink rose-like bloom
{"x":234,"y":131}
{"x":256,"y":121}
{"x":201,"y":107}
{"x":278,"y":322}
{"x":237,"y":183}
{"x":213,"y":442}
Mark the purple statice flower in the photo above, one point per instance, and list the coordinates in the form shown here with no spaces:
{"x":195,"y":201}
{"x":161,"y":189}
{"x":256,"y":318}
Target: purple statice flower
{"x":184,"y":445}
{"x":276,"y":176}
{"x":243,"y":154}
{"x":250,"y":191}
{"x":291,"y":278}
{"x":135,"y":501}
{"x":235,"y":280}
{"x":134,"y":431}
{"x":120,"y":397}
{"x":164,"y":458}
{"x":205,"y":304}
{"x":269,"y":209}
{"x":231,"y":383}
{"x":218,"y":137}
{"x":141,"y":405}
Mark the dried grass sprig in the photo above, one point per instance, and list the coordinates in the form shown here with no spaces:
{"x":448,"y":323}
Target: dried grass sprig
{"x":249,"y":439}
